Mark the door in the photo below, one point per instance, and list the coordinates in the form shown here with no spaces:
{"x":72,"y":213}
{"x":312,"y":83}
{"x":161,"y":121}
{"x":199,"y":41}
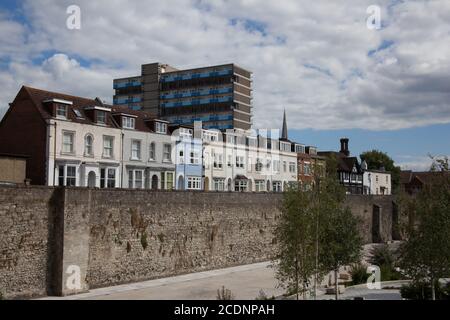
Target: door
{"x":155,"y":182}
{"x":206,"y":187}
{"x":376,"y":224}
{"x":91,"y":179}
{"x":180,"y":183}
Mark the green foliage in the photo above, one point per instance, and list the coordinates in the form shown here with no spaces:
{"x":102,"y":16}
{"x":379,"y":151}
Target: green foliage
{"x":263,"y":296}
{"x":384,"y":258}
{"x":144,"y":241}
{"x":316,"y":233}
{"x":376,"y":159}
{"x":295,"y":234}
{"x":388,"y":273}
{"x":340,"y":239}
{"x":359,"y":274}
{"x":425,"y":255}
{"x":224,"y":294}
{"x":381,"y":255}
{"x":422,"y":291}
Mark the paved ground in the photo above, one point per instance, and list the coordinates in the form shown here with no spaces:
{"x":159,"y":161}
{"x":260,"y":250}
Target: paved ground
{"x":245,"y":282}
{"x":366,"y":294}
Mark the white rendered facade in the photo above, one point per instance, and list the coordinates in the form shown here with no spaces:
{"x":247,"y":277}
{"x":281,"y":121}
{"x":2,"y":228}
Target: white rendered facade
{"x":244,"y":162}
{"x":147,"y":160}
{"x":74,"y":160}
{"x":377,"y":182}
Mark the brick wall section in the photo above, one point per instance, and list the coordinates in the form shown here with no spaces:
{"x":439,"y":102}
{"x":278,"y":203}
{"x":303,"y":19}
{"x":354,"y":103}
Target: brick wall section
{"x":119,"y":236}
{"x":24,"y":132}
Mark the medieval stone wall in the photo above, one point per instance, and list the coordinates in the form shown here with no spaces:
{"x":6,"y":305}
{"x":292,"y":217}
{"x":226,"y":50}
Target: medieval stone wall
{"x":108,"y":237}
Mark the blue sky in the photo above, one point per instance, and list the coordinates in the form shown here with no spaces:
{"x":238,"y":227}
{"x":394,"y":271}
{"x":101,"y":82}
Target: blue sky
{"x":384,"y":89}
{"x":404,"y":145}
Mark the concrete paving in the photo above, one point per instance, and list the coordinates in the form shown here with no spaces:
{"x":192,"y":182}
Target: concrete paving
{"x":366,"y":294}
{"x":245,"y":282}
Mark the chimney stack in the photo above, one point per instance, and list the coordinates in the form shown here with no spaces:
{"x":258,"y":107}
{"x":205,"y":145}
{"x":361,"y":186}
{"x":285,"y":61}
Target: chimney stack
{"x":344,"y":147}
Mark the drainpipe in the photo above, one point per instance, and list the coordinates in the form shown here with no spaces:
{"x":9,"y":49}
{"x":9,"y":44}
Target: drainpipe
{"x":54,"y":156}
{"x":121,"y":161}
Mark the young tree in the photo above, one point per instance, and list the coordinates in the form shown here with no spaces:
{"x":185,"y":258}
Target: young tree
{"x":340,"y":241}
{"x":295,"y":259}
{"x":425,"y":255}
{"x":339,"y":238}
{"x":376,"y":159}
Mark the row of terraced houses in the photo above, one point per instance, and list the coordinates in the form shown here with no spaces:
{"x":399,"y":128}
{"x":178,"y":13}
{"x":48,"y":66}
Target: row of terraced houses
{"x":168,"y":129}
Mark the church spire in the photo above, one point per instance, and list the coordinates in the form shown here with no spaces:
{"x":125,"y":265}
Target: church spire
{"x":284,"y":132}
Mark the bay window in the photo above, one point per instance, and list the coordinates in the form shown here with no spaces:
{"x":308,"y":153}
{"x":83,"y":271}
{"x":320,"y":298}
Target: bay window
{"x":67,"y":175}
{"x":135,"y":179}
{"x":194,"y":183}
{"x":219,"y":184}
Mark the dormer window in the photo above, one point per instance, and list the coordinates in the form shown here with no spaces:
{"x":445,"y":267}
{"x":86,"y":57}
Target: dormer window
{"x":285,"y":146}
{"x":61,"y":111}
{"x":101,"y":117}
{"x":160,"y":127}
{"x":299,"y":148}
{"x":59,"y":108}
{"x":128,"y":123}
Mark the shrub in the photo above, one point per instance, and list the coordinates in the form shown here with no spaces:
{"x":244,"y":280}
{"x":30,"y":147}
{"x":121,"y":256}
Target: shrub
{"x":382,"y":256}
{"x":359,"y":274}
{"x":263,"y":296}
{"x":388,"y":273}
{"x":224,"y":294}
{"x":422,"y":291}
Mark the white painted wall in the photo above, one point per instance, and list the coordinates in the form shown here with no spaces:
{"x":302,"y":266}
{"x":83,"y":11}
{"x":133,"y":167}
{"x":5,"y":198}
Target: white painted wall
{"x":83,"y":163}
{"x":375,"y":181}
{"x":156,"y":167}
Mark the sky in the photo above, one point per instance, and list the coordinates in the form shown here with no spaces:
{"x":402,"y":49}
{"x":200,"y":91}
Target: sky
{"x":385,"y":89}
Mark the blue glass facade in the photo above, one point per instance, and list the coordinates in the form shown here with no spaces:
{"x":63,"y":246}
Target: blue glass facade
{"x":127,"y":100}
{"x":186,"y":120}
{"x":197,"y":93}
{"x":122,"y":85}
{"x":199,"y":75}
{"x":194,"y":102}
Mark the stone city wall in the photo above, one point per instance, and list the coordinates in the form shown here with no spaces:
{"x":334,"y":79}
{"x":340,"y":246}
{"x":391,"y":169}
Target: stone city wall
{"x":109,"y":237}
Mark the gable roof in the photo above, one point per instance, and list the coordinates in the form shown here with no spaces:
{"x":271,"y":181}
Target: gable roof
{"x":424,"y":177}
{"x":38,"y":96}
{"x":344,"y":163}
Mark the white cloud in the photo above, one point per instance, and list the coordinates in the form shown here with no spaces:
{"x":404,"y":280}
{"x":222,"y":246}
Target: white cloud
{"x":414,"y":163}
{"x":57,"y":73}
{"x":310,"y":57}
